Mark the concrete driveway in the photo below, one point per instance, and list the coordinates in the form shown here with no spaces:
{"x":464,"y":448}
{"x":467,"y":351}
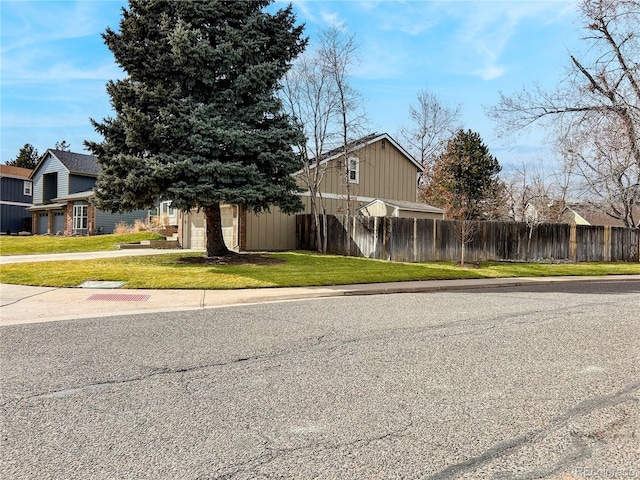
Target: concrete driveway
{"x":537,"y":381}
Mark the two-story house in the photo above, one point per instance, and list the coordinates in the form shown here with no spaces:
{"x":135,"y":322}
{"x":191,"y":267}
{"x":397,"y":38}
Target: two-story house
{"x":382,"y":178}
{"x":16,"y":195}
{"x":63,"y":197}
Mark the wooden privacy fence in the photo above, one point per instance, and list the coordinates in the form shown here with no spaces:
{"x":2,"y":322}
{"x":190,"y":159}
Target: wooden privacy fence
{"x":423,"y":240}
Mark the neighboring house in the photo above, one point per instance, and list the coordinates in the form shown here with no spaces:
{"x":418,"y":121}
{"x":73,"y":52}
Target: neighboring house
{"x":63,"y":197}
{"x":588,"y":214}
{"x":379,"y":169}
{"x":16,"y":195}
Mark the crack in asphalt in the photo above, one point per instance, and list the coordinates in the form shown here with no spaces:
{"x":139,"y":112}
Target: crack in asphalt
{"x":480,"y":325}
{"x":159,"y":372}
{"x":253,"y":463}
{"x":508,"y":447}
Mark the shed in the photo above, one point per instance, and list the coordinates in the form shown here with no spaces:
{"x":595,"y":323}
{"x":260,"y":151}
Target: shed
{"x":380,"y":207}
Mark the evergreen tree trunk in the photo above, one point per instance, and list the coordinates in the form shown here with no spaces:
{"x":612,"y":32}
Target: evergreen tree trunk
{"x":215,"y":240}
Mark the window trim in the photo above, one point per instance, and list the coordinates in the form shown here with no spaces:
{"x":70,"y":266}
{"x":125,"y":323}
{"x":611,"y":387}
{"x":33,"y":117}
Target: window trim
{"x":355,"y":163}
{"x":80,"y":220}
{"x":27,"y":188}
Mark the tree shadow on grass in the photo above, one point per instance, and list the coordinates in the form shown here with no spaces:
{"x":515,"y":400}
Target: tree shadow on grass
{"x":233,"y":258}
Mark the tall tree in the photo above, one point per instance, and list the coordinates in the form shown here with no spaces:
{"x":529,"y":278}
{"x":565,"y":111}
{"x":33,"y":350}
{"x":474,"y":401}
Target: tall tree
{"x":337,"y":53}
{"x":595,"y":113}
{"x":198,"y":119}
{"x":27,"y":157}
{"x":432,"y":124}
{"x":465,"y":183}
{"x":310,"y":98}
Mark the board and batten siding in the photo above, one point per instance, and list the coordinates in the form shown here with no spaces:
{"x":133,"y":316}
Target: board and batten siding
{"x":270,"y":231}
{"x":12,"y":190}
{"x":14,"y":218}
{"x":50,"y":165}
{"x":383,"y":173}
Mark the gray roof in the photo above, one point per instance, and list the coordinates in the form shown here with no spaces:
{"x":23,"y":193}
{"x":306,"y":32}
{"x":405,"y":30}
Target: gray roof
{"x":46,"y":206}
{"x":75,"y":196}
{"x":412,"y":206}
{"x":78,"y":163}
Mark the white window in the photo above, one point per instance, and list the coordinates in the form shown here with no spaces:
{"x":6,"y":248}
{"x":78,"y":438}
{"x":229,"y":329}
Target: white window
{"x":27,"y":188}
{"x":80,"y":217}
{"x":354,"y":170}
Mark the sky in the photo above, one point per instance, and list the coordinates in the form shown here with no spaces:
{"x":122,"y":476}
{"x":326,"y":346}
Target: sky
{"x":55,"y":65}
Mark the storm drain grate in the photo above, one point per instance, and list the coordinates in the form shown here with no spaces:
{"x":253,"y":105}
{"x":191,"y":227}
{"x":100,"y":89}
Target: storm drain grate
{"x":118,"y":297}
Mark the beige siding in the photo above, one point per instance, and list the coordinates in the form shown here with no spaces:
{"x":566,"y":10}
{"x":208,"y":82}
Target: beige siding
{"x":271,"y":231}
{"x":377,"y":209}
{"x":384,"y":173}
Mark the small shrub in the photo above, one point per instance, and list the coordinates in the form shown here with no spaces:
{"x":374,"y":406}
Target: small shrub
{"x":141,"y":226}
{"x":123,"y":227}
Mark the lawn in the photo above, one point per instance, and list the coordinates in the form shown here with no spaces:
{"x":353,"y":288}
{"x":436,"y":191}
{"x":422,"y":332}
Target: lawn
{"x":188,"y":271}
{"x":10,"y":245}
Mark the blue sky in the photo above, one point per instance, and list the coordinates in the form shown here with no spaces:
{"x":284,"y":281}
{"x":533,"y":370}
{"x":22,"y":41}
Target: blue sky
{"x":55,"y":65}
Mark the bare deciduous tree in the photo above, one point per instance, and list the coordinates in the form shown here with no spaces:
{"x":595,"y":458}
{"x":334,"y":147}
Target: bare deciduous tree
{"x":432,"y":125}
{"x":535,"y":197}
{"x":337,"y":53}
{"x":311,"y":100}
{"x":595,"y":113}
{"x":319,"y":97}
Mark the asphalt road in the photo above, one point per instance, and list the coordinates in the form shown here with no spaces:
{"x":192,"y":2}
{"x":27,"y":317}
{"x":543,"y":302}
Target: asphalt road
{"x":511,"y":383}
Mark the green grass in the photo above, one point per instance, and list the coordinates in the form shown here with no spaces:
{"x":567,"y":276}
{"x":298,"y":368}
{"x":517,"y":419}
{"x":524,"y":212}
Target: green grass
{"x":296,"y":269}
{"x":51,"y":244}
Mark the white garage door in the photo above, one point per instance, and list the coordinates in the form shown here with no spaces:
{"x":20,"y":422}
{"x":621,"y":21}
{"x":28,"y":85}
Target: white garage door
{"x":226,"y":212}
{"x":196,"y":230}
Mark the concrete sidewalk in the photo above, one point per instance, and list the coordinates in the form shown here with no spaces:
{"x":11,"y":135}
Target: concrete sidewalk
{"x":58,"y":257}
{"x":22,"y":304}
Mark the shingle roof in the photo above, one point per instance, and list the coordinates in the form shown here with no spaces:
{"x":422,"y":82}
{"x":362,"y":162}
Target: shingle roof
{"x":14,"y":171}
{"x":78,"y":162}
{"x":595,"y":215}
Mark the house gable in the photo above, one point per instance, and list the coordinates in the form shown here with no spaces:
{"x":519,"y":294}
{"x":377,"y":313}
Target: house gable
{"x":60,"y":173}
{"x":50,"y":174}
{"x":384,"y":170}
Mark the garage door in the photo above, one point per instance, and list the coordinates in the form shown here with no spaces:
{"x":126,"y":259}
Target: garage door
{"x":226,"y":212}
{"x":43,"y":221}
{"x":196,"y":230}
{"x":58,"y":223}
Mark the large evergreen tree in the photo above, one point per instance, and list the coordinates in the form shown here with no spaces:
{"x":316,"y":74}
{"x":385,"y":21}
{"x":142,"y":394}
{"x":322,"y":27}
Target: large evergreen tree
{"x":27,"y":157}
{"x":198,"y":121}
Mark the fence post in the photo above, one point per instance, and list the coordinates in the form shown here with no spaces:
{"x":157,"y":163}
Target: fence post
{"x":384,"y":239}
{"x":415,"y":239}
{"x":435,"y":236}
{"x":573,"y":243}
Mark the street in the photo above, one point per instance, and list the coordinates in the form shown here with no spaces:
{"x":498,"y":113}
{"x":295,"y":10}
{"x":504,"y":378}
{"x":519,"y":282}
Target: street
{"x":503,"y":383}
